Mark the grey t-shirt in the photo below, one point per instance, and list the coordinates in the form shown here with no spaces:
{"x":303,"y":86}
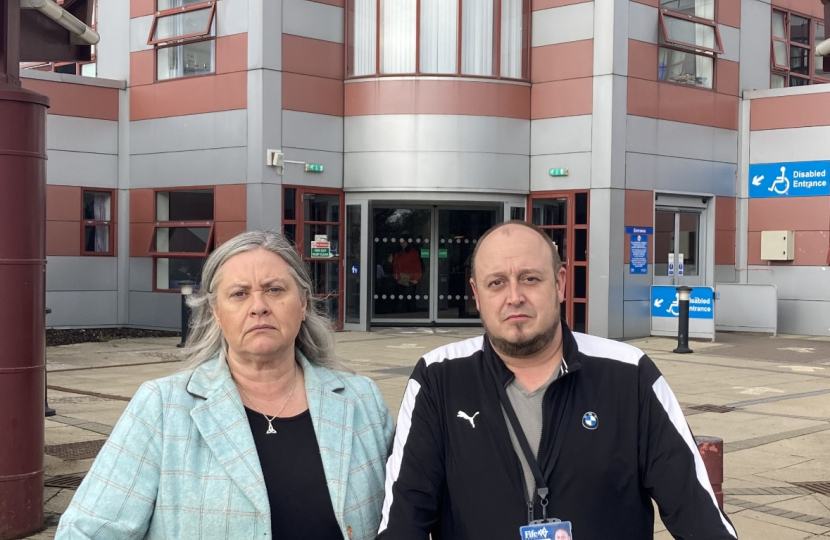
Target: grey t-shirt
{"x":528,"y":407}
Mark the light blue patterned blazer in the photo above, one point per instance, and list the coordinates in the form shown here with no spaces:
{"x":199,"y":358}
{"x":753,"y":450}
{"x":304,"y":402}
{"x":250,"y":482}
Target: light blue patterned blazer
{"x":181,"y":462}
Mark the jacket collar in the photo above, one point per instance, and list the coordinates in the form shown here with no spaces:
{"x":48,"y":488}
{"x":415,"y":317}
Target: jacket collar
{"x":223,"y":423}
{"x":570,"y":355}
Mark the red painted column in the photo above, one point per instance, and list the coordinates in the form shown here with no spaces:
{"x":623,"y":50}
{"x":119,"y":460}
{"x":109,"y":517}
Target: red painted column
{"x":22,"y":304}
{"x":711,"y":450}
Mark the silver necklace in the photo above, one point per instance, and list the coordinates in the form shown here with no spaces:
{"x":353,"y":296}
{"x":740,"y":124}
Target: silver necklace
{"x":271,"y":418}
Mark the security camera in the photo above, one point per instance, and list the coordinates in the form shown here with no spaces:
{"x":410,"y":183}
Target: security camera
{"x":823,"y":48}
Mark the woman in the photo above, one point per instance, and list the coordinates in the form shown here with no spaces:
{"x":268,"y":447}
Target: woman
{"x":260,"y":437}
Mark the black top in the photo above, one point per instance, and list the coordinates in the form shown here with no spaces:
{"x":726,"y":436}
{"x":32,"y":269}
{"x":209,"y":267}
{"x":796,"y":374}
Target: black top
{"x":294,"y":478}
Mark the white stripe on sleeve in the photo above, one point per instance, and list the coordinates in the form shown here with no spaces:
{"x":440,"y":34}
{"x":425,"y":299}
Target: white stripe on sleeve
{"x":393,"y":465}
{"x":672,"y":407}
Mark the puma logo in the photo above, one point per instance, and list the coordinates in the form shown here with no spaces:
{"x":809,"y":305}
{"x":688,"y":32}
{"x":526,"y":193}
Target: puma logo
{"x":470,"y":419}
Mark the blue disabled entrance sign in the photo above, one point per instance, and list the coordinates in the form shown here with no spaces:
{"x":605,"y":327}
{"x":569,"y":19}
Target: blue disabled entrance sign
{"x":665,"y":311}
{"x":792,"y":179}
{"x":664,"y":302}
{"x":639,"y":249}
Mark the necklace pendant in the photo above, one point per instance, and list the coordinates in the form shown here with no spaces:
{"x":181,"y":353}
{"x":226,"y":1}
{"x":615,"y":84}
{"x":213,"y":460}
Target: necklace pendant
{"x":270,"y":429}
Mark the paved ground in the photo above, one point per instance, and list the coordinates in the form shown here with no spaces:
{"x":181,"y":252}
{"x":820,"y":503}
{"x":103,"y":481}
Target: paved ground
{"x":776,"y":392}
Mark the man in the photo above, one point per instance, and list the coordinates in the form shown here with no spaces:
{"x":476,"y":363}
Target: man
{"x":562,"y":534}
{"x":600,"y":434}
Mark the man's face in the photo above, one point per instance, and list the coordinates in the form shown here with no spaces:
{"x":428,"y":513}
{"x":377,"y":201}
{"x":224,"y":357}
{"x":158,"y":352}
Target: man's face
{"x":562,"y":534}
{"x":517,"y":292}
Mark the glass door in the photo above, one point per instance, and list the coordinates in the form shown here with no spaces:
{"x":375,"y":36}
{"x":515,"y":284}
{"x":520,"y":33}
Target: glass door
{"x":458,"y":232}
{"x":315,"y":214}
{"x":401,"y":274}
{"x":678,"y":246}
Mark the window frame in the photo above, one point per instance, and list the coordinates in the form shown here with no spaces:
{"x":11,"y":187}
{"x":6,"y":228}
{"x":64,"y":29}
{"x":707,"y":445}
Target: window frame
{"x":299,"y":222}
{"x":209,"y":35}
{"x":786,"y":71}
{"x":96,"y":223}
{"x":527,"y":12}
{"x":157,"y":224}
{"x":687,"y":51}
{"x":211,"y":5}
{"x":689,"y":47}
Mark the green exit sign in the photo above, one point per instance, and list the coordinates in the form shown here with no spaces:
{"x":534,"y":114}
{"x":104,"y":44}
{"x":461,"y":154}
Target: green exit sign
{"x":313,"y":167}
{"x":559,"y":172}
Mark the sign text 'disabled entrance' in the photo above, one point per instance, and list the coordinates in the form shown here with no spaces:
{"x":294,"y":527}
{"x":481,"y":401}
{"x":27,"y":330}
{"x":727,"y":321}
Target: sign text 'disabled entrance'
{"x":794,"y":179}
{"x":665,"y":302}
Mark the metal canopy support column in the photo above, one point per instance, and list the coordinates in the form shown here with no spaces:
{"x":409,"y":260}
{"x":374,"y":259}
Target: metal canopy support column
{"x":22,"y":287}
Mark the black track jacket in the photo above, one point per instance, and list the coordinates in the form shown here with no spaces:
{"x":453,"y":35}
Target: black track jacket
{"x":457,"y":481}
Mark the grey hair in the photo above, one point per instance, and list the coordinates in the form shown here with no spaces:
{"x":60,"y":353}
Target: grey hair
{"x":205,"y":341}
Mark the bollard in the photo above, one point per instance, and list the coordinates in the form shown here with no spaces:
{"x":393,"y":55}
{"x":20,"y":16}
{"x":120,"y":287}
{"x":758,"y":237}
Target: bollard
{"x":711,"y":450}
{"x":683,"y":294}
{"x":186,"y":289}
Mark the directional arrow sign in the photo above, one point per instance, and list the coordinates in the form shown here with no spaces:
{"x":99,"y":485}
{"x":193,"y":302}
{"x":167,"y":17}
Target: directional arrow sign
{"x":658,"y":302}
{"x":756,"y":181}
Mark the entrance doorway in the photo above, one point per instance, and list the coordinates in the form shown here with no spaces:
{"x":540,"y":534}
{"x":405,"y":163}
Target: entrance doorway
{"x":421,"y":262}
{"x":679,"y":236}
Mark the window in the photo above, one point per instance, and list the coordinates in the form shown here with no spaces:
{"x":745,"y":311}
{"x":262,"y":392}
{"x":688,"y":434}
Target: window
{"x":97,"y":223}
{"x":476,"y":38}
{"x":184,"y":34}
{"x":792,"y":55}
{"x":182,"y":236}
{"x":689,"y":42}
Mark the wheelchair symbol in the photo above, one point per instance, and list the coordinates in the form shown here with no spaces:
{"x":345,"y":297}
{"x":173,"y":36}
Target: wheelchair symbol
{"x":781,"y":180}
{"x":673,"y":307}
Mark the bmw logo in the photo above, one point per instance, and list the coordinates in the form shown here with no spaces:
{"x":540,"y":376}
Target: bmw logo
{"x":590,"y":420}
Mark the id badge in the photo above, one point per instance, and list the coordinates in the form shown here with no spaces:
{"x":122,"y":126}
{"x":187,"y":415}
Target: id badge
{"x":547,"y":530}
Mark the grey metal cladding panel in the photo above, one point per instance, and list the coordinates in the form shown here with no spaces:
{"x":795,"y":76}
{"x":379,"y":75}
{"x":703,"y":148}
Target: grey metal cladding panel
{"x":642,"y":22}
{"x":578,"y":165}
{"x":112,"y":61}
{"x":804,"y":317}
{"x":649,"y":172}
{"x":155,"y":310}
{"x":436,"y":133}
{"x":442,"y":171}
{"x":567,"y":134}
{"x":756,"y":21}
{"x":685,"y":140}
{"x":563,"y":24}
{"x":795,"y":144}
{"x":82,"y":308}
{"x":82,"y":169}
{"x":139,"y":33}
{"x":194,"y":168}
{"x":641,"y":134}
{"x":76,"y":134}
{"x":637,"y":286}
{"x":313,"y":20}
{"x":82,"y":274}
{"x":141,"y":274}
{"x":795,"y":282}
{"x":636,"y":318}
{"x":725,"y":274}
{"x":731,"y":40}
{"x":294,"y":173}
{"x":231,"y":17}
{"x":224,"y":129}
{"x":264,"y":207}
{"x":726,"y":145}
{"x":312,"y":131}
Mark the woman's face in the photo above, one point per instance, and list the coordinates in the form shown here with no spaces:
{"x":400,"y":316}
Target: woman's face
{"x":258,"y":306}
